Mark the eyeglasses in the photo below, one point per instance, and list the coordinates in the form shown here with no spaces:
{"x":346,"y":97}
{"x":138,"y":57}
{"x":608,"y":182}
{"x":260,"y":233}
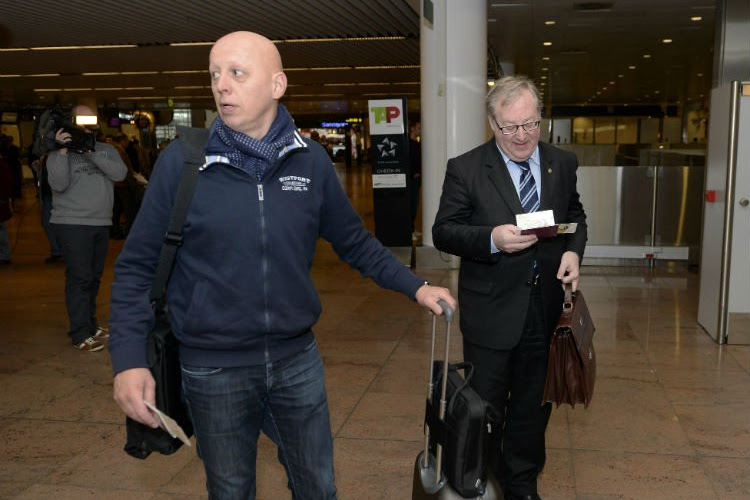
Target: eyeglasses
{"x":512,"y":129}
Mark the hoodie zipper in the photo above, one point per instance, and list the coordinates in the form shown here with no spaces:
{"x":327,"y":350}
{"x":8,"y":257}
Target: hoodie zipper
{"x":264,"y":252}
{"x":264,"y":260}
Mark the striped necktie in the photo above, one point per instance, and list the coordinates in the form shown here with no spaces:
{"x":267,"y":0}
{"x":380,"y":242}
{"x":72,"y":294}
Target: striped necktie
{"x":530,"y":203}
{"x":527,"y":190}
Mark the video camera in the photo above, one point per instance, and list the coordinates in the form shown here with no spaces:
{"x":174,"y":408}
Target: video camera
{"x":57,"y":118}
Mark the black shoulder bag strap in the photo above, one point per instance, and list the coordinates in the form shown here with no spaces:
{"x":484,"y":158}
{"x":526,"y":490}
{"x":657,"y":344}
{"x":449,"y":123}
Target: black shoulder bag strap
{"x":193,"y":143}
{"x":162,"y":350}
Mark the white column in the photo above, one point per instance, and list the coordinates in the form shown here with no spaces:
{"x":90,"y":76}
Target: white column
{"x":454,"y":85}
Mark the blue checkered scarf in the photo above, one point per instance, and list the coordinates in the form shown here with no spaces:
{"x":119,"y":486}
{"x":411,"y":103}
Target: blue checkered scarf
{"x":252,"y":155}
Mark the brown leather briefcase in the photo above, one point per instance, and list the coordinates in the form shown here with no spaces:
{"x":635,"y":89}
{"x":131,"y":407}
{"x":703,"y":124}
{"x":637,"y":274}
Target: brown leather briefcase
{"x":571,"y":369}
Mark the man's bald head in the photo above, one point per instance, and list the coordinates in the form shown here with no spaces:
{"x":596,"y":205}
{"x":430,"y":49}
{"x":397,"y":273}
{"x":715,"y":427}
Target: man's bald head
{"x":247,"y":80}
{"x":261,"y":47}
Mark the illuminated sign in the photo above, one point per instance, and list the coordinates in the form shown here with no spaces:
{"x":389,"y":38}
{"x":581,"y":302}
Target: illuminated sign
{"x":386,"y":116}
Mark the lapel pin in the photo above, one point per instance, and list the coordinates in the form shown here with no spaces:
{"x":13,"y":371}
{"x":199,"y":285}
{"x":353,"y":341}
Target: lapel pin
{"x":549,"y":170}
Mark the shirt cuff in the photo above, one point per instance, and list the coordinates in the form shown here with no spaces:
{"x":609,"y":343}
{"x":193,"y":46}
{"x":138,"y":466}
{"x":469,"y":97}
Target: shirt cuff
{"x":493,"y":248}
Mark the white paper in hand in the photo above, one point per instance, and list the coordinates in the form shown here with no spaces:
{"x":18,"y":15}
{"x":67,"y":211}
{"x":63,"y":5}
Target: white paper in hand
{"x":532,"y":220}
{"x":169,"y":424}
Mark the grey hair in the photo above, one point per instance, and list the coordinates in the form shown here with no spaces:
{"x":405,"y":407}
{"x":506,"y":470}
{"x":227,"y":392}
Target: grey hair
{"x":507,"y":89}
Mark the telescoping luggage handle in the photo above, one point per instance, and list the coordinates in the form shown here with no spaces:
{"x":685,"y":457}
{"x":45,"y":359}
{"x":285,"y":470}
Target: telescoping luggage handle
{"x":448,"y":314}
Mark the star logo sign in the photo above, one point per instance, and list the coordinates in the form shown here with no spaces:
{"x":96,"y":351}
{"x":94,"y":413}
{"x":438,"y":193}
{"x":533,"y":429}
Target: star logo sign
{"x":387,"y":148}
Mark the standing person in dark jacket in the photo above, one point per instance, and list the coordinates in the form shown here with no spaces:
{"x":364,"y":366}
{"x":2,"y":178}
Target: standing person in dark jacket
{"x":45,"y":200}
{"x":510,"y":285}
{"x":241,"y":299}
{"x":6,"y":208}
{"x":415,"y":169}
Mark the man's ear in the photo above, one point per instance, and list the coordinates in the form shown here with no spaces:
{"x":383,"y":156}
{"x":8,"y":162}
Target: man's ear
{"x":279,"y":84}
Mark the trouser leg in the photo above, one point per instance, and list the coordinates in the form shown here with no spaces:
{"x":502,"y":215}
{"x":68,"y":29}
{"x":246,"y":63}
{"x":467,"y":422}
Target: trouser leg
{"x":226,"y":407}
{"x":513,"y":382}
{"x":80,"y":249}
{"x":298,"y":421}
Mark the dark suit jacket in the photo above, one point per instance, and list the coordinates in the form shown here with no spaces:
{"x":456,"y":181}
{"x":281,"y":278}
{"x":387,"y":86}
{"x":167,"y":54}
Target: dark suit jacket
{"x":478,"y":194}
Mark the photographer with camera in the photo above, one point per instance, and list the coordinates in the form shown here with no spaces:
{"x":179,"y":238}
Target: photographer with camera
{"x":82,"y":173}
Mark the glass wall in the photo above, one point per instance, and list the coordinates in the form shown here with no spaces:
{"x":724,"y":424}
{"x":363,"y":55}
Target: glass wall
{"x":620,"y":140}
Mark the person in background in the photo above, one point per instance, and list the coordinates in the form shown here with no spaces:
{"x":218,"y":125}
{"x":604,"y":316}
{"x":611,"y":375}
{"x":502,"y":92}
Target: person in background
{"x":355,"y":147}
{"x":348,"y":147}
{"x":415,"y":168}
{"x":45,"y":200}
{"x":510,"y":285}
{"x":241,"y":299}
{"x":131,"y":148}
{"x":127,"y":198}
{"x":6,"y":208}
{"x":12,"y":155}
{"x":82,"y":195}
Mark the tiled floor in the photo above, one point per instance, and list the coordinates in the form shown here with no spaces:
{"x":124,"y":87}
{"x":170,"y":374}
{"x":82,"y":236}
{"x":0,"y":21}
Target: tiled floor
{"x":670,"y":418}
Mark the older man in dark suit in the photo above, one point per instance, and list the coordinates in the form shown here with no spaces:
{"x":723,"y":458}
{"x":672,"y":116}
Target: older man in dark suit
{"x":511,"y":284}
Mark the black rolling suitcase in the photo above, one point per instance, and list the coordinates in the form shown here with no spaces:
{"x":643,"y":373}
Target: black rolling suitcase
{"x":458,"y":426}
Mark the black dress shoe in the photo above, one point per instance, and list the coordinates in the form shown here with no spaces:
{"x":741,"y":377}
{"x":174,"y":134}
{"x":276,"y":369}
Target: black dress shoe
{"x":533,"y":496}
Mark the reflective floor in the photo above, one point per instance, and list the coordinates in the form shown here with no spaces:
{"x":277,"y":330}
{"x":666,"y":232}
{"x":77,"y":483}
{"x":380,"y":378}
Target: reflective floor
{"x":670,"y":418}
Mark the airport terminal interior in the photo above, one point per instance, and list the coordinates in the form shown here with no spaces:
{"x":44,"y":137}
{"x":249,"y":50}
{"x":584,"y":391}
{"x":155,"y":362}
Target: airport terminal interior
{"x":670,"y":415}
{"x":668,"y":420}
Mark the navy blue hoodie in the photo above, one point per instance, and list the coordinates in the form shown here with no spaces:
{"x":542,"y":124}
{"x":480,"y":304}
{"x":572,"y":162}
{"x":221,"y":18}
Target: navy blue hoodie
{"x":241,"y":287}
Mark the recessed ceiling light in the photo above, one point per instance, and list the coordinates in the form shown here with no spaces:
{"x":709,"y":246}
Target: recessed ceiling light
{"x":611,"y":83}
{"x":631,"y":67}
{"x":547,"y":44}
{"x":696,"y":18}
{"x":620,"y":76}
{"x":647,"y":56}
{"x":667,"y":40}
{"x":700,"y":74}
{"x":545,"y":58}
{"x":506,"y":4}
{"x":550,"y":22}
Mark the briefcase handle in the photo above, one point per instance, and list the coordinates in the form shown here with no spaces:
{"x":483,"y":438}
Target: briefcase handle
{"x":568,"y":299}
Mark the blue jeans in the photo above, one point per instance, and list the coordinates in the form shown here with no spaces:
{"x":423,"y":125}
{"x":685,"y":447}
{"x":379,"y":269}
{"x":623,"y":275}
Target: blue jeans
{"x":286,"y":400}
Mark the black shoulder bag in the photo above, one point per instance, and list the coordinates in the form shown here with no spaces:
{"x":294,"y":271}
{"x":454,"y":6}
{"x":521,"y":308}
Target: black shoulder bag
{"x":162,"y":347}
